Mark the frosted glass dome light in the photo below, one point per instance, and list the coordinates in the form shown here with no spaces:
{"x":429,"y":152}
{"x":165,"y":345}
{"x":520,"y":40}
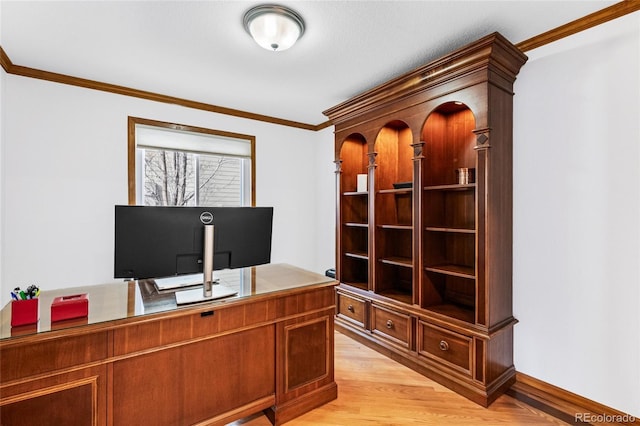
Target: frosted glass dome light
{"x":273,"y":27}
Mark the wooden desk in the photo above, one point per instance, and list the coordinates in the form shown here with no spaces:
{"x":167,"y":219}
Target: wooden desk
{"x":138,"y":359}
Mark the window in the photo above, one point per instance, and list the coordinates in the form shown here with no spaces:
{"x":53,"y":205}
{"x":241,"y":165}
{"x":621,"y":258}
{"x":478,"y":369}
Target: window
{"x":177,"y":165}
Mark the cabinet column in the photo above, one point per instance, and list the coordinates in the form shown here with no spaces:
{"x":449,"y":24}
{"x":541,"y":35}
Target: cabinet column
{"x":482,"y":173}
{"x":371,"y":171}
{"x":418,"y":223}
{"x":339,"y":220}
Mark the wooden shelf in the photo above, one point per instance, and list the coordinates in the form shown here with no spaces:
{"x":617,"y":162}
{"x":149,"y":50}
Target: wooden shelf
{"x":462,"y":313}
{"x":400,"y":296}
{"x":348,"y":194}
{"x":396,"y":191}
{"x":453,"y":270}
{"x":401,"y":227}
{"x":359,"y":255}
{"x":452,"y":230}
{"x":453,"y":187}
{"x":357,"y":284}
{"x":356,"y":225}
{"x":405,"y":262}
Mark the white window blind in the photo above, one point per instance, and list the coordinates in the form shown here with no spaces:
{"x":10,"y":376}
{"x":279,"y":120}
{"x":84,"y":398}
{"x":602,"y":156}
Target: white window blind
{"x":150,"y":137}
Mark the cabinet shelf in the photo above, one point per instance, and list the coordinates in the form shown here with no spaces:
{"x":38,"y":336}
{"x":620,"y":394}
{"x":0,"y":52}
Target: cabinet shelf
{"x":453,"y":270}
{"x":355,"y":193}
{"x":396,"y":191}
{"x":357,"y":284}
{"x":357,"y":255}
{"x":452,"y":230}
{"x":356,"y":225}
{"x":453,"y":187}
{"x":405,"y":262}
{"x":450,"y":310}
{"x":400,"y":296}
{"x":401,"y":227}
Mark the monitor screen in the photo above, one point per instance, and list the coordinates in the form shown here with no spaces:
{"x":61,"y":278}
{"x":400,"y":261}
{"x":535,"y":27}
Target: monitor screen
{"x":155,"y":242}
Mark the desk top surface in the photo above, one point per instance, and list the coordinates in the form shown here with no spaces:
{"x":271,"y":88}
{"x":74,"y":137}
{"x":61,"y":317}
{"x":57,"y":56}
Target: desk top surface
{"x":120,"y":301}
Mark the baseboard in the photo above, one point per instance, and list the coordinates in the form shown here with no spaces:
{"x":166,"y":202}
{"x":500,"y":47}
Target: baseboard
{"x":564,"y":405}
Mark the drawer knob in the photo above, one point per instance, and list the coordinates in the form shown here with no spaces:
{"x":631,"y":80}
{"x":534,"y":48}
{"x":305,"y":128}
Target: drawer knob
{"x":444,"y":346}
{"x":389,"y":324}
{"x":350,"y":308}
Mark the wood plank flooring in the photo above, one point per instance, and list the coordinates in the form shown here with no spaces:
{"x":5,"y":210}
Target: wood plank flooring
{"x":375,"y":390}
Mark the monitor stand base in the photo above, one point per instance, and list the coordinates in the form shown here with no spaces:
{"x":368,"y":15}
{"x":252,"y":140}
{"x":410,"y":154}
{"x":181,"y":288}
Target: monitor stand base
{"x":196,"y":296}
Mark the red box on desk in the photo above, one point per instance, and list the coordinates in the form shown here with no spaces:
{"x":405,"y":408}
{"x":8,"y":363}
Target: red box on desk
{"x":67,"y":307}
{"x":24,"y":312}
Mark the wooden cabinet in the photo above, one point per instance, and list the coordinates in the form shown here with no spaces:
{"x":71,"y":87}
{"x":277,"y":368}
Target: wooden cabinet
{"x":269,"y":350}
{"x":426,"y":251}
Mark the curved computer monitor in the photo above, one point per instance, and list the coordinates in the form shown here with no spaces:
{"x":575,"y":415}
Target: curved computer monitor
{"x":155,"y":242}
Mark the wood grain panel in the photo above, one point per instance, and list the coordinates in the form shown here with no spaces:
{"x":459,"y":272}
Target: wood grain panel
{"x":307,"y":358}
{"x":78,"y":396}
{"x":73,"y":403}
{"x":445,"y":346}
{"x":304,"y":373}
{"x":395,"y":326}
{"x":194,"y":382}
{"x":352,"y":309}
{"x":25,"y":360}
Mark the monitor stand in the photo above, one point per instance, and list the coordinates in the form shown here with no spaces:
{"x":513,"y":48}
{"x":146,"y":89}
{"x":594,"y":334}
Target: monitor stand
{"x":207,"y":262}
{"x":196,"y":295}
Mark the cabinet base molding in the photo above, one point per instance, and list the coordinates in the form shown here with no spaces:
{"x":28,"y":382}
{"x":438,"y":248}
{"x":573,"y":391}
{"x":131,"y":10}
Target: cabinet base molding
{"x":564,"y":405}
{"x":465,"y":386}
{"x":283,"y":413}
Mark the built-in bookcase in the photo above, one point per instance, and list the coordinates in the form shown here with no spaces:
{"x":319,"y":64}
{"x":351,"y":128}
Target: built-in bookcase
{"x":424,"y":256}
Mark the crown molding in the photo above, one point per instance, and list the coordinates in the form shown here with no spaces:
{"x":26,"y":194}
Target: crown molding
{"x":607,"y":14}
{"x":12,"y":68}
{"x":594,"y":19}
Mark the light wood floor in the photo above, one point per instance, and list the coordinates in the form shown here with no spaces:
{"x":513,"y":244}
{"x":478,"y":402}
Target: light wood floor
{"x":374,"y":390}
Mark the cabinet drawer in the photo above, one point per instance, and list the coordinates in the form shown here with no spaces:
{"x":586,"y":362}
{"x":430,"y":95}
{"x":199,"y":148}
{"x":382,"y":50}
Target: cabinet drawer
{"x":391,"y":324}
{"x":446,"y":346}
{"x":352,"y":309}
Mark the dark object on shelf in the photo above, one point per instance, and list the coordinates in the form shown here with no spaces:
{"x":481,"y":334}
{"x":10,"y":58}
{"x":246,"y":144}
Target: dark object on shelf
{"x":402,"y":185}
{"x":331,"y":273}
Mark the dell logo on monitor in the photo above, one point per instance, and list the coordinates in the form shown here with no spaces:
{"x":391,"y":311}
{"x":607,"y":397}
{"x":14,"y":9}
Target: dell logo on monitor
{"x":206,"y":217}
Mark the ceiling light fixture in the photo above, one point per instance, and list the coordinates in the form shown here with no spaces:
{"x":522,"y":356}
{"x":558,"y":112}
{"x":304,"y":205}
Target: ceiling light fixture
{"x":273,"y":27}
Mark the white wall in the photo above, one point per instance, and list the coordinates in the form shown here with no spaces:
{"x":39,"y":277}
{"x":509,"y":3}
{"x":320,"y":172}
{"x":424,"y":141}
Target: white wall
{"x":577,"y":214}
{"x":65,"y":166}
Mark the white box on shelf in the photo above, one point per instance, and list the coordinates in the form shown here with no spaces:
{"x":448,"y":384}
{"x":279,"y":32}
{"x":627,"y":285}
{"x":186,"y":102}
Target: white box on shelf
{"x":362,"y":183}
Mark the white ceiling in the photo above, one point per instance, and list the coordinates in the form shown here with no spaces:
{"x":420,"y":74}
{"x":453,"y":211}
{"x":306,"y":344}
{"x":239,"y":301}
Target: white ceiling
{"x":199,"y":51}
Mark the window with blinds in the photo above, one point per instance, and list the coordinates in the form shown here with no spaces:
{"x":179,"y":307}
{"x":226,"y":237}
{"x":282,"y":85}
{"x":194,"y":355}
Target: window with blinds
{"x":178,"y":165}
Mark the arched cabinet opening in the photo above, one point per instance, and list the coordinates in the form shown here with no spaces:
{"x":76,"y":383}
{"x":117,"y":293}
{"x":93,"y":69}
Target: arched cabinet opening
{"x":393,"y":180}
{"x":353,"y":234}
{"x":449,"y":214}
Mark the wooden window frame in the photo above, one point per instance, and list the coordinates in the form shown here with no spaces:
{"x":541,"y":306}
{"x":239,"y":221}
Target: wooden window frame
{"x":131,"y":149}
